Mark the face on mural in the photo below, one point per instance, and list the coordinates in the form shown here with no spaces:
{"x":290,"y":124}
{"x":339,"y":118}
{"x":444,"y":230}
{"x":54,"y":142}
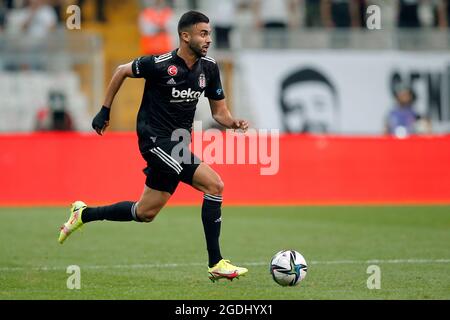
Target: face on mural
{"x":310,"y":107}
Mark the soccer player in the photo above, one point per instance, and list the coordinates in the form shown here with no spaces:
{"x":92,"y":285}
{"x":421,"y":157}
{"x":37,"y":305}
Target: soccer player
{"x":174,"y":82}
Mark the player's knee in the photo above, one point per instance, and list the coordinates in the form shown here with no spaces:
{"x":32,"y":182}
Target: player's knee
{"x":216,"y":187}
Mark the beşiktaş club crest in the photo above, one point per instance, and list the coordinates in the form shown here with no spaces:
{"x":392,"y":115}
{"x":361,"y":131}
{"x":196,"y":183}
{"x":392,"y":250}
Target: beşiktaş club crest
{"x":202,"y":81}
{"x":172,"y":70}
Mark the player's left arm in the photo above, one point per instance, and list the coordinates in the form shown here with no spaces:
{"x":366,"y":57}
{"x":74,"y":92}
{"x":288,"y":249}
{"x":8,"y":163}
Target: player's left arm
{"x":216,"y":97}
{"x":222,"y":115}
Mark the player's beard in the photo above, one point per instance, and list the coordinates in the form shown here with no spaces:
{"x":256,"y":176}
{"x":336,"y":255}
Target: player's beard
{"x":197,"y":50}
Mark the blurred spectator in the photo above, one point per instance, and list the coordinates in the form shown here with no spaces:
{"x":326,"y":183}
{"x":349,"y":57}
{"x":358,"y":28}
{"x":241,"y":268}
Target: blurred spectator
{"x":222,"y":14}
{"x":154,"y":21}
{"x":402,"y":120}
{"x":37,"y":19}
{"x":31,"y":24}
{"x":59,"y":7}
{"x":275,"y":17}
{"x":441,"y":13}
{"x":408,"y":14}
{"x":341,"y":13}
{"x":2,"y":16}
{"x":362,"y":12}
{"x":312,"y":14}
{"x":99,"y":10}
{"x":55,"y":116}
{"x":9,"y":4}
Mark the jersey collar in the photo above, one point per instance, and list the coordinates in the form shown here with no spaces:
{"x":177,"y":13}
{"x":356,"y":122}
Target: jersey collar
{"x":181,"y":60}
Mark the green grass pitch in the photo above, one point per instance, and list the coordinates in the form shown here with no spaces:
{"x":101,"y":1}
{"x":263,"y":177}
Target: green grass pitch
{"x":166,"y":259}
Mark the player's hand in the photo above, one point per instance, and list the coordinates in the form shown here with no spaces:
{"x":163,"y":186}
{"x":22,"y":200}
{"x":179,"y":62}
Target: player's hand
{"x":101,"y":120}
{"x":240,"y":124}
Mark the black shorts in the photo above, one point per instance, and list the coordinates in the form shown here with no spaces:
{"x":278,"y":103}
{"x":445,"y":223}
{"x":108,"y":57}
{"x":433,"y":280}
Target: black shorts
{"x":168,"y":163}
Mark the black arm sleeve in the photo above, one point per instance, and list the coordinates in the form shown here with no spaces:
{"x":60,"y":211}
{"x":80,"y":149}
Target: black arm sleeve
{"x":143,"y":67}
{"x":214,"y":88}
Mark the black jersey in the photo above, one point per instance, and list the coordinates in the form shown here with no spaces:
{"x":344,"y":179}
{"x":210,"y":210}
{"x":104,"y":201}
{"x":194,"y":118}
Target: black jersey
{"x":172,"y":91}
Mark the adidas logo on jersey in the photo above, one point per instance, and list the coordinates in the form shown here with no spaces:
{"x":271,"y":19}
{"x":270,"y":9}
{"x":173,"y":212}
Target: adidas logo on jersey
{"x":189,"y":93}
{"x":171,"y":81}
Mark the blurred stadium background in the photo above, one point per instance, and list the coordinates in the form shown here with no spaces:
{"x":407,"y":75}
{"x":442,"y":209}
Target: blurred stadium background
{"x":322,"y":72}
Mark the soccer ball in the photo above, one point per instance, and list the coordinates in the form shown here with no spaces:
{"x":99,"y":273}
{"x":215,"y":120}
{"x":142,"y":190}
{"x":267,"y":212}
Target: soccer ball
{"x":288,"y":268}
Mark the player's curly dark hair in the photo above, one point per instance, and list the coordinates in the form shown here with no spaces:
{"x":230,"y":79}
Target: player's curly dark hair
{"x":191,"y":18}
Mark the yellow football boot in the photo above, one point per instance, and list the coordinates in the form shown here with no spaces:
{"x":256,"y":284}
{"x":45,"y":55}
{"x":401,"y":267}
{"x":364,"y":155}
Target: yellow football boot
{"x":224,"y":269}
{"x":74,"y":221}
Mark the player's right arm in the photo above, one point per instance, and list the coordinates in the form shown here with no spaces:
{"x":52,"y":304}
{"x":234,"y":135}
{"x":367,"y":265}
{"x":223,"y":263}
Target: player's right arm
{"x":123,"y":71}
{"x":138,"y":68}
{"x":101,"y":120}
